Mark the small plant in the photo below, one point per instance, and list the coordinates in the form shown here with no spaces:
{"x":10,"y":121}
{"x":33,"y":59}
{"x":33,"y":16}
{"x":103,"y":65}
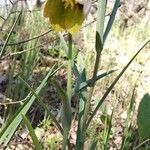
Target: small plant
{"x":53,"y":142}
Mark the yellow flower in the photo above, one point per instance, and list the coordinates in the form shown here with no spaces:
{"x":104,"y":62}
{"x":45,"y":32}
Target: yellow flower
{"x":64,"y":14}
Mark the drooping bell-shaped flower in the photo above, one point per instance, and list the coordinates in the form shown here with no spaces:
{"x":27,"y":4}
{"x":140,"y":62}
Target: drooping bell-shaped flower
{"x":65,"y":14}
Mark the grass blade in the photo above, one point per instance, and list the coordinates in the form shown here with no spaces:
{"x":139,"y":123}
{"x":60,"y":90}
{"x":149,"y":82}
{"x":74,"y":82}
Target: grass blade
{"x":32,"y":133}
{"x":82,"y":100}
{"x":125,"y":141}
{"x":93,"y":145}
{"x":66,"y":111}
{"x":141,"y":144}
{"x":108,"y":132}
{"x":87,"y":83}
{"x":64,"y":44}
{"x":111,"y":19}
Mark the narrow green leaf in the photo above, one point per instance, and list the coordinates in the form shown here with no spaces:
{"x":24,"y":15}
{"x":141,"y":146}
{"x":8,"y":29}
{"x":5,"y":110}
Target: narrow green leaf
{"x":141,"y":144}
{"x":32,"y":133}
{"x":80,"y":78}
{"x":66,"y":111}
{"x":111,"y":19}
{"x":90,"y":81}
{"x":125,"y":141}
{"x":82,"y":100}
{"x":64,"y":44}
{"x":65,"y":102}
{"x":93,"y":144}
{"x":108,"y":130}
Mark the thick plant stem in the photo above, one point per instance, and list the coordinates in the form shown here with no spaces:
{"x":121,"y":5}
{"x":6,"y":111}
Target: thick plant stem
{"x":66,"y":129}
{"x":69,"y":72}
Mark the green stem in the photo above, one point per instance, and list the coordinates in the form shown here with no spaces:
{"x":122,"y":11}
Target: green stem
{"x":69,"y":72}
{"x":97,"y":62}
{"x":67,"y":125}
